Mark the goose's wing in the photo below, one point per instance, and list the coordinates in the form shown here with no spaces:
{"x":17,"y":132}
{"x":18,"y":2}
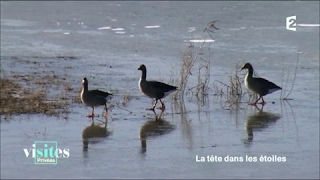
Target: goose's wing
{"x":97,"y":92}
{"x":161,"y":86}
{"x":263,"y":87}
{"x":266,"y":84}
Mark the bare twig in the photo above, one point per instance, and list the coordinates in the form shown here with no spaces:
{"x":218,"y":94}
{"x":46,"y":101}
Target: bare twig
{"x":294,"y":76}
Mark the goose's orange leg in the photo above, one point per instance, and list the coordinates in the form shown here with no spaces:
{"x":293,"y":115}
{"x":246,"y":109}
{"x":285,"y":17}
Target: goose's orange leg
{"x":152,"y":109}
{"x":255,"y":102}
{"x":162,"y":107}
{"x":263,"y":102}
{"x":92,"y":113}
{"x":105,"y":114}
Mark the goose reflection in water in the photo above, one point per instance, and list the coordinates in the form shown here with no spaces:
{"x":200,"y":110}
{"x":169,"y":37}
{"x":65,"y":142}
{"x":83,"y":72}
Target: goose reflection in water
{"x":152,"y":128}
{"x":94,"y":133}
{"x":258,"y":121}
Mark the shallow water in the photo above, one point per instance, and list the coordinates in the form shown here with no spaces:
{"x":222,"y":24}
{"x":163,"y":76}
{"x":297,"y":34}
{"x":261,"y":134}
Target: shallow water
{"x":110,"y":41}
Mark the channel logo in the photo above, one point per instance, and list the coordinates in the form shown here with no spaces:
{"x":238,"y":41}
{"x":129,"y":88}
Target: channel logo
{"x":46,"y":152}
{"x":291,"y":23}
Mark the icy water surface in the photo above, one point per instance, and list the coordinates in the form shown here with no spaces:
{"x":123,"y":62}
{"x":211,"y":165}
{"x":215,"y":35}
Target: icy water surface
{"x":190,"y":139}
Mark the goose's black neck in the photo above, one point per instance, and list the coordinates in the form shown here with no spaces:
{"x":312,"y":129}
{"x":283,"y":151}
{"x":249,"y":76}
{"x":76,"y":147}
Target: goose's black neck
{"x":144,"y":74}
{"x":85,"y":87}
{"x":250,"y":71}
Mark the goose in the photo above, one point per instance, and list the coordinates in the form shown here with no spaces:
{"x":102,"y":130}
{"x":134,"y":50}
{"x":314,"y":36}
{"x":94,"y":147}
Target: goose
{"x":154,"y":89}
{"x":259,"y":86}
{"x":93,"y":98}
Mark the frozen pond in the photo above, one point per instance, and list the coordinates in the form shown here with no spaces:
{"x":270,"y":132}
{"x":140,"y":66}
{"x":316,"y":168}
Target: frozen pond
{"x":111,"y":39}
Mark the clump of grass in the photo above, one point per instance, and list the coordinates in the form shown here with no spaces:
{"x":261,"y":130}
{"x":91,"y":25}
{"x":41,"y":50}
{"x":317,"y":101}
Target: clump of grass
{"x":126,"y":99}
{"x":17,"y":100}
{"x":234,"y":93}
{"x":29,"y":94}
{"x":199,"y":59}
{"x":46,"y":92}
{"x":76,"y":98}
{"x":232,"y":90}
{"x":188,"y":61}
{"x":67,"y":86}
{"x":200,"y":90}
{"x":192,"y":56}
{"x":35,"y":59}
{"x":67,"y":57}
